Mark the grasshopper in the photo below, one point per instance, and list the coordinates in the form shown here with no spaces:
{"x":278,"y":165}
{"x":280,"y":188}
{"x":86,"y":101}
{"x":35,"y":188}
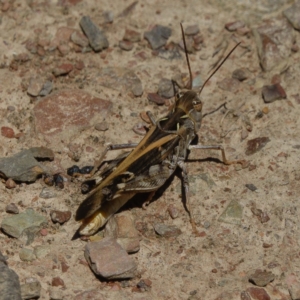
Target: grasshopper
{"x":151,"y":162}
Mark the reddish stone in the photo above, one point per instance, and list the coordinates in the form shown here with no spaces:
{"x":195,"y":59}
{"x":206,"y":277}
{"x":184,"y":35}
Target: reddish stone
{"x":64,"y":267}
{"x":201,"y":234}
{"x":67,"y":111}
{"x":153,"y":97}
{"x":43,"y":231}
{"x":7,"y":132}
{"x":125,"y":45}
{"x":5,"y":6}
{"x":60,"y":216}
{"x":256,"y":144}
{"x":79,"y":65}
{"x":274,"y":51}
{"x":64,"y":49}
{"x":273,"y":92}
{"x":63,"y":34}
{"x":131,"y":36}
{"x":22,"y":57}
{"x":10,"y":184}
{"x":63,"y":69}
{"x":258,"y":293}
{"x":57,"y":281}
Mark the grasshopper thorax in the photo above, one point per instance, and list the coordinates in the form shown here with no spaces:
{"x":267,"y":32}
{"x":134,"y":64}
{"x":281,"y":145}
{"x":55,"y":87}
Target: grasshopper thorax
{"x":191,"y":105}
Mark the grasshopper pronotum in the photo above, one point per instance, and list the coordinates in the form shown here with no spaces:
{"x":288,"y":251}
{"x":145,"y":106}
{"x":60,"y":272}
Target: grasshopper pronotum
{"x":147,"y":167}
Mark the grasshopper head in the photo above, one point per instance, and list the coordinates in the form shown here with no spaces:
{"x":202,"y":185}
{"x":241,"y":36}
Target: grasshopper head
{"x":191,"y":105}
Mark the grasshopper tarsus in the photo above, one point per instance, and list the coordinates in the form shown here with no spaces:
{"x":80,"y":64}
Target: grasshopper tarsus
{"x":217,"y":147}
{"x":149,"y":198}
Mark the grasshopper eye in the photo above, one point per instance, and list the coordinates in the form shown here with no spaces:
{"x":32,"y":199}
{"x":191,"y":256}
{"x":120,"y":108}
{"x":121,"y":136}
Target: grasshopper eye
{"x":197,"y":105}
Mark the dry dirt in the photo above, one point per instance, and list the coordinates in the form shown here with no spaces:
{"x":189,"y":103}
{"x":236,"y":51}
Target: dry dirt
{"x":218,"y":264}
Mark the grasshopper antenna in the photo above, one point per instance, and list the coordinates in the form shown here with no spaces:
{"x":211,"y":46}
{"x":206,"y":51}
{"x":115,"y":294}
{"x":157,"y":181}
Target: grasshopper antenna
{"x":189,"y":66}
{"x":218,"y":67}
{"x":187,"y":58}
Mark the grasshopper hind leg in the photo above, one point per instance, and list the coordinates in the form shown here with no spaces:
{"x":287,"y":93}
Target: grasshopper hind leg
{"x":186,"y":187}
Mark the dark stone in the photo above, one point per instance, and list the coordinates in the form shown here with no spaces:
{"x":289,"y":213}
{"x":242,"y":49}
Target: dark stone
{"x":273,"y":92}
{"x":21,"y":167}
{"x":96,"y":37}
{"x":158,"y":36}
{"x":251,"y":187}
{"x":9,"y":282}
{"x":256,"y":144}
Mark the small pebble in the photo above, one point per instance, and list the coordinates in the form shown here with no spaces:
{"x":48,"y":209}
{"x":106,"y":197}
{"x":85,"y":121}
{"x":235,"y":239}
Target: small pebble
{"x":41,"y":251}
{"x":7,"y":132}
{"x":103,"y":126}
{"x":35,"y":86}
{"x":47,"y":193}
{"x":261,"y":278}
{"x":60,"y":216}
{"x":295,"y":48}
{"x":108,"y":16}
{"x":265,"y":110}
{"x":31,"y":289}
{"x":125,"y":45}
{"x":270,"y":93}
{"x":10,"y":183}
{"x":63,"y":69}
{"x":165,"y":88}
{"x":241,"y":74}
{"x":96,"y":37}
{"x":173,"y":211}
{"x":251,"y":187}
{"x":12,"y":208}
{"x":131,"y":36}
{"x":57,"y":281}
{"x":256,"y":144}
{"x":79,"y":39}
{"x":11,"y":108}
{"x":64,"y":49}
{"x":167,"y":230}
{"x":47,"y":88}
{"x":44,"y":232}
{"x":258,"y":293}
{"x":26,"y":254}
{"x":139,"y":129}
{"x":244,"y":134}
{"x":245,"y":296}
{"x":5,"y":6}
{"x":137,"y":88}
{"x":158,"y":36}
{"x":153,"y":97}
{"x":109,"y":260}
{"x":64,"y":267}
{"x":192,"y":30}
